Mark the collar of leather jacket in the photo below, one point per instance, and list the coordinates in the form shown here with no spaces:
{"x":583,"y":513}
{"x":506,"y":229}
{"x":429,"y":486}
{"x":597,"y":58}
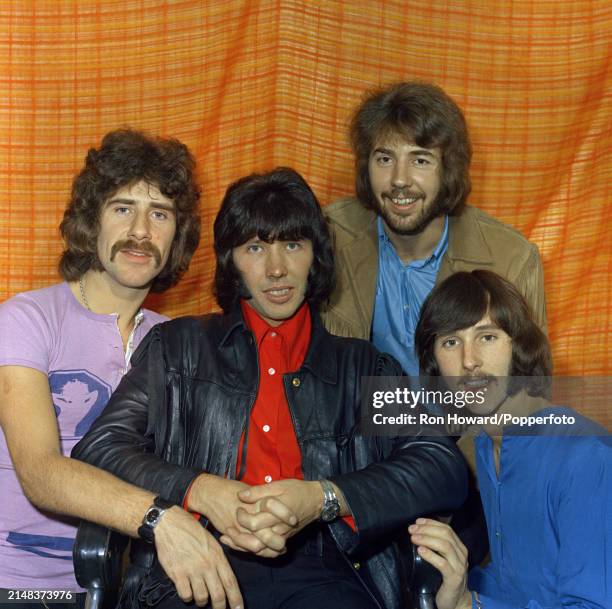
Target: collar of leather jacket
{"x":320,"y":358}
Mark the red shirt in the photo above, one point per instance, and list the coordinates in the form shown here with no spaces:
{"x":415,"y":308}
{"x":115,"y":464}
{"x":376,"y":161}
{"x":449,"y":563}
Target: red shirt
{"x":273,"y":452}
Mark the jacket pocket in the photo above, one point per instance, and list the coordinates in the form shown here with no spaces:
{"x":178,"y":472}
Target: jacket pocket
{"x":345,"y":454}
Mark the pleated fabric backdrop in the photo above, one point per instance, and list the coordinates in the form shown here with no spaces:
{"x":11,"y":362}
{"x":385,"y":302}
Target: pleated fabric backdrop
{"x":252,"y":84}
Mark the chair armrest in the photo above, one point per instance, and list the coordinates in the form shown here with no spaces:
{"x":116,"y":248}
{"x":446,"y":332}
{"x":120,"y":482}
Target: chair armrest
{"x":97,"y":556}
{"x":424,"y":582}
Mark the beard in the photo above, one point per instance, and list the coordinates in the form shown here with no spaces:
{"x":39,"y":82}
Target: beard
{"x":413,"y":225}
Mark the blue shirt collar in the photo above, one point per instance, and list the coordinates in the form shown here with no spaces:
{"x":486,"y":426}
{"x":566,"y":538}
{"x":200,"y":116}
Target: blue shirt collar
{"x":440,"y":249}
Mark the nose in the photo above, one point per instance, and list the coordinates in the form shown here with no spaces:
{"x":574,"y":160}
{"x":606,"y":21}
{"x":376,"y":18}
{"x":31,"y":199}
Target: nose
{"x":471,"y":359}
{"x":276,"y":265}
{"x":140,"y":228}
{"x":402,"y":175}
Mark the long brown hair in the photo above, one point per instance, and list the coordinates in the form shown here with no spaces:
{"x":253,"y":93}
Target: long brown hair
{"x":423,"y":113}
{"x":462,"y":300}
{"x":126,"y":156}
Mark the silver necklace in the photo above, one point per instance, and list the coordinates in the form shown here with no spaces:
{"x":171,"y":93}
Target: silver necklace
{"x":83,"y":297}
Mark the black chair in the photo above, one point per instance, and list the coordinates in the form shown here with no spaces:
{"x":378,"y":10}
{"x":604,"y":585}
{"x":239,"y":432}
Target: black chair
{"x":424,"y":582}
{"x":98,"y":565}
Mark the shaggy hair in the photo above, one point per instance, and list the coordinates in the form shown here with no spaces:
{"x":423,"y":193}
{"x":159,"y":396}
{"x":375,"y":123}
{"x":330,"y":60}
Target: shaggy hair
{"x":418,"y":112}
{"x":462,"y":300}
{"x":278,"y":205}
{"x":125,"y":157}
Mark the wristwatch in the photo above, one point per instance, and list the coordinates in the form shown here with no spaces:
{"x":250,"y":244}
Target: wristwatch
{"x":152,"y":517}
{"x":331,"y":506}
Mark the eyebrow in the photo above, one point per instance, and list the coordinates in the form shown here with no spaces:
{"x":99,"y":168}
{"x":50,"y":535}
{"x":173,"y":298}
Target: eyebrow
{"x":485,"y":327}
{"x":416,"y":152}
{"x":153,"y":204}
{"x":384,"y":150}
{"x":424,"y":152}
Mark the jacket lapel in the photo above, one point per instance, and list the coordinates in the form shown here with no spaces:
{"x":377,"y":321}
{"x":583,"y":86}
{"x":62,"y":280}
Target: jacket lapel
{"x":321,"y":358}
{"x":466,"y":244}
{"x":360,"y":259}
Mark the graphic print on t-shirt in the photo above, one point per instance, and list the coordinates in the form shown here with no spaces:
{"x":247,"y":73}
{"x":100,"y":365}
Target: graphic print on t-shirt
{"x":78,"y":398}
{"x":42,"y":545}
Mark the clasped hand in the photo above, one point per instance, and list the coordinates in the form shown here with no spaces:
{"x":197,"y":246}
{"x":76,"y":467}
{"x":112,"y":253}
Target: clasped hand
{"x":269,"y":514}
{"x":256,"y":519}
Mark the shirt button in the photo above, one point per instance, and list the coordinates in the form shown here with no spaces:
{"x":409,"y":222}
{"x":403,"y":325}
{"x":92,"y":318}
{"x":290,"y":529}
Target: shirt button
{"x":406,"y":307}
{"x":268,"y":478}
{"x":295,"y":382}
{"x":497,"y":533}
{"x":273,"y":334}
{"x":356,"y":566}
{"x":266,"y":428}
{"x":271,"y":371}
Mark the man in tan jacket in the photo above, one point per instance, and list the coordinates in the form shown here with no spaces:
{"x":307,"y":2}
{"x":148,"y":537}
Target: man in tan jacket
{"x":409,"y":227}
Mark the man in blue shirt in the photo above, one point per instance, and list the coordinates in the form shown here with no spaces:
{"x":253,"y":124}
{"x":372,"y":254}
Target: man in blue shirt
{"x":409,"y":226}
{"x":546,"y":495}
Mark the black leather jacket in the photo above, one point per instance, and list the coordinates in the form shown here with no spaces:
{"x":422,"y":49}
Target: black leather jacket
{"x":183,"y":406}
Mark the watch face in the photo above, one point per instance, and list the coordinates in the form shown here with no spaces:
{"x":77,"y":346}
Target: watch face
{"x":330,"y":512}
{"x":152,"y":515}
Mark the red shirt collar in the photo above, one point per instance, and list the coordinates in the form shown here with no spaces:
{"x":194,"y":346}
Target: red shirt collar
{"x":295,"y":331}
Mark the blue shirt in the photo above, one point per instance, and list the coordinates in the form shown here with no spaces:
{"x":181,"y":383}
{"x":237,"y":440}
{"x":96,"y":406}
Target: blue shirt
{"x":401,"y":290}
{"x":549,"y":521}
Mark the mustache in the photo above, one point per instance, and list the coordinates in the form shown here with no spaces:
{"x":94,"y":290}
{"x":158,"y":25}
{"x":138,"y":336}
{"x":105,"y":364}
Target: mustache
{"x":145,"y":247}
{"x":406,"y":193}
{"x":466,"y":378}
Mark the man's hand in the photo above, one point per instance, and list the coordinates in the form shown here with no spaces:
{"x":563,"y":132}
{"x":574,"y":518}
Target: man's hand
{"x":302,"y":497}
{"x":217,"y":499}
{"x":438,"y":544}
{"x":274,"y":512}
{"x":194,"y":561}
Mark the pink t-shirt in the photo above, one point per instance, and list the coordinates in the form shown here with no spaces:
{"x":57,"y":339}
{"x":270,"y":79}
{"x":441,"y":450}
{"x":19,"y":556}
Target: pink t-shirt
{"x":82,"y":354}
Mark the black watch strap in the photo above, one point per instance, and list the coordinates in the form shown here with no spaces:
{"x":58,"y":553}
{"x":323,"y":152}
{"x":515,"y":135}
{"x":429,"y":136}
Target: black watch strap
{"x":152,"y":517}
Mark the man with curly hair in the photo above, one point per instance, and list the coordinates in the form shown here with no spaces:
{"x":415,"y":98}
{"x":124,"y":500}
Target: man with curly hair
{"x":131,"y":226}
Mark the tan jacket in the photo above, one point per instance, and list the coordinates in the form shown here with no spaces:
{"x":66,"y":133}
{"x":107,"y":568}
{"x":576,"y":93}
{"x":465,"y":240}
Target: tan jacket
{"x":476,"y":240}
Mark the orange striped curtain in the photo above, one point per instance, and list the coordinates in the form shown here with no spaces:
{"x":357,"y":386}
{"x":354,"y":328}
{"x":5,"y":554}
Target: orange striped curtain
{"x":249,"y":85}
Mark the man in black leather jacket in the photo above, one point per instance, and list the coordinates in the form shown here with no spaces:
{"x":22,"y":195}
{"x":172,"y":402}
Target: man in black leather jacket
{"x":322,"y":527}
